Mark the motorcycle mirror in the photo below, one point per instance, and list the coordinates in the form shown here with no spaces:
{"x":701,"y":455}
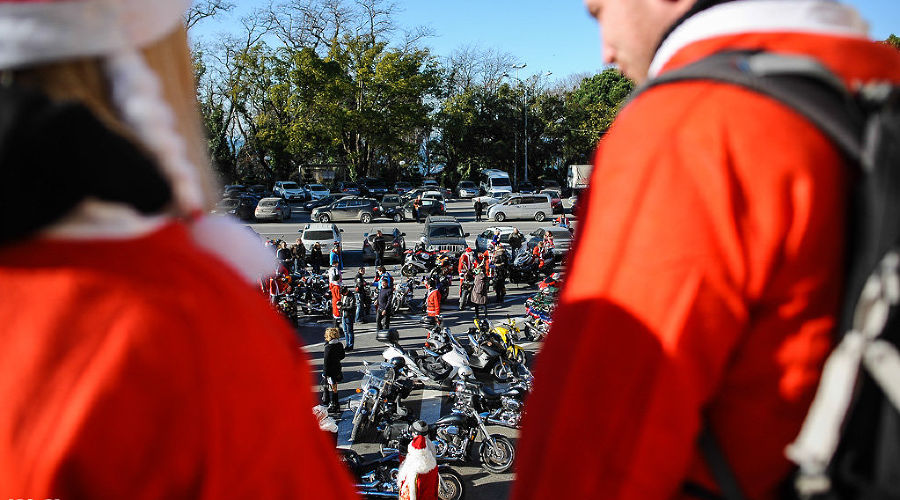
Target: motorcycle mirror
{"x":402,"y":234}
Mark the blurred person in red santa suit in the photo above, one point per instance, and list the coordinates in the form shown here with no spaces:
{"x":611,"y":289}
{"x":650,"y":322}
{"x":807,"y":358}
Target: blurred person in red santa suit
{"x":138,"y":360}
{"x":703,"y":289}
{"x":418,"y":475}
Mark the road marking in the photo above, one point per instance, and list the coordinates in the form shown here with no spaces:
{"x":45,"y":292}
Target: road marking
{"x":431,"y":405}
{"x":345,"y":427}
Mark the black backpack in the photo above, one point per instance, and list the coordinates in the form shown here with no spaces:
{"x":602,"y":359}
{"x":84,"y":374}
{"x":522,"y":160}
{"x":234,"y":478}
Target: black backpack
{"x":849,"y":446}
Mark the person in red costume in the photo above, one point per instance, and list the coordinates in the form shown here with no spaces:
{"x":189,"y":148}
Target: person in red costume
{"x":139,"y":361}
{"x":711,"y":251}
{"x":433,"y":300}
{"x":418,"y":475}
{"x":466,"y":264}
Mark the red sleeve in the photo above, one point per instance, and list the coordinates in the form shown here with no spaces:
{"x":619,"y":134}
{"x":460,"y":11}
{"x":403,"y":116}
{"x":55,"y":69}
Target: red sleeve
{"x":704,"y":281}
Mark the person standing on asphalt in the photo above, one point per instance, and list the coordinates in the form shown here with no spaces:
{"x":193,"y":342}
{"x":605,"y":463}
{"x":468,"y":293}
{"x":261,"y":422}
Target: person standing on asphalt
{"x":432,"y":300}
{"x":335,"y":256}
{"x":348,"y":311}
{"x":125,"y":305}
{"x":315,"y":258}
{"x":417,"y":208}
{"x":334,"y":286}
{"x":378,"y":246}
{"x":705,"y":285}
{"x":515,"y":241}
{"x":299,"y":252}
{"x":363,"y":299}
{"x":383,"y":306}
{"x":382,"y":274}
{"x":478,"y":210}
{"x":480,"y":292}
{"x":501,"y":261}
{"x":331,"y":368}
{"x":466,"y":263}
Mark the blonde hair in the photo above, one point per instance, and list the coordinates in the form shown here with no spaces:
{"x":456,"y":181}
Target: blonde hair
{"x":331,"y":334}
{"x":85,"y":81}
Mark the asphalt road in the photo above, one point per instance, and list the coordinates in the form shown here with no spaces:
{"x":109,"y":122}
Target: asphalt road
{"x":430,"y":403}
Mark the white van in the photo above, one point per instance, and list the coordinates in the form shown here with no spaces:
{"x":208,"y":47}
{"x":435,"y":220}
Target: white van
{"x":522,"y":206}
{"x":494,"y":183}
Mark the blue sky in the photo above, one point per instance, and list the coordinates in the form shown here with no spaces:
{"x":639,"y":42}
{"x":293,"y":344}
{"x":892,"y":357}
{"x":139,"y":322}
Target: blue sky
{"x":547,"y":35}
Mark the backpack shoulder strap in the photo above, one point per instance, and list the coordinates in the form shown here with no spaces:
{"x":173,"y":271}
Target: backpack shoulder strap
{"x":799,"y":82}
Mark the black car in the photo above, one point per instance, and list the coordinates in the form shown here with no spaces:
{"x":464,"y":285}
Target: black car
{"x":375,"y":188}
{"x":347,"y":209}
{"x":321,"y":202}
{"x":233,"y":190}
{"x":347,"y":188}
{"x":526,"y":188}
{"x":246,"y":208}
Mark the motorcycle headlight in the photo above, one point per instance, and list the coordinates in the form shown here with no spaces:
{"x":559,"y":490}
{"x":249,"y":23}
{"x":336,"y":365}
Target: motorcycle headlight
{"x":372,"y":392}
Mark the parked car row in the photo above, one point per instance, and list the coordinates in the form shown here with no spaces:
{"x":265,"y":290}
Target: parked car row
{"x":562,"y":237}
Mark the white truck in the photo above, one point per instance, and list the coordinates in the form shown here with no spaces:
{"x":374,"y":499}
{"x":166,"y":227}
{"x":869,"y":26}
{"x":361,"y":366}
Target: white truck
{"x":579,"y":176}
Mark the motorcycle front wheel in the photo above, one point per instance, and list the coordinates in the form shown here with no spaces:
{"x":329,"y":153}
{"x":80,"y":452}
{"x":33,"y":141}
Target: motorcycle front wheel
{"x":408,"y":270}
{"x":501,"y":372}
{"x":360,"y":426}
{"x":498,"y":458}
{"x":450,"y":486}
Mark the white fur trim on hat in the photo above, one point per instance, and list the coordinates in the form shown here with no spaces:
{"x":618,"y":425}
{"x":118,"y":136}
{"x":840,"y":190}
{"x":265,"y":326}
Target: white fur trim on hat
{"x":41,"y":32}
{"x":417,"y":461}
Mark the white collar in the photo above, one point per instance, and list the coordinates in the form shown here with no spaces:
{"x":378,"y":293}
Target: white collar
{"x":754,"y":16}
{"x":93,"y":219}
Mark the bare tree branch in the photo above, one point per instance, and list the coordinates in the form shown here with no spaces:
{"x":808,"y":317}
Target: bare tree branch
{"x":203,"y":9}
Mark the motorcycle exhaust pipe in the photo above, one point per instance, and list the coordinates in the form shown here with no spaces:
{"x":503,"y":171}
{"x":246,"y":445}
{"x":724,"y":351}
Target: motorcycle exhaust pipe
{"x":376,"y":494}
{"x":388,"y":451}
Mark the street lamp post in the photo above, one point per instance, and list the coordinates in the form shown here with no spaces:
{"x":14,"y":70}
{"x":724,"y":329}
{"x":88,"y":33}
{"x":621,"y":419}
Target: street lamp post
{"x":525,"y":90}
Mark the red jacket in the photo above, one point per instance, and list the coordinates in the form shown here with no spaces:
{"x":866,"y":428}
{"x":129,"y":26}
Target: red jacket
{"x":465,"y":262}
{"x":139,"y":378}
{"x":710,"y":250}
{"x":433,"y":303}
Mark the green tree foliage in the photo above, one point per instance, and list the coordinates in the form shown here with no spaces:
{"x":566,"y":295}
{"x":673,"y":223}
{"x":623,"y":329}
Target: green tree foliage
{"x":893,"y":41}
{"x":335,"y":86}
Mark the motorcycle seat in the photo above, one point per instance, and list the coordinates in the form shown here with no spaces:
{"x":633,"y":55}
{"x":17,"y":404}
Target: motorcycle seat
{"x":492,"y":395}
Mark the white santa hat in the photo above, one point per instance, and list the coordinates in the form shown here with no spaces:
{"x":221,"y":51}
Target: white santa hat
{"x":419,"y":460}
{"x":35,"y":32}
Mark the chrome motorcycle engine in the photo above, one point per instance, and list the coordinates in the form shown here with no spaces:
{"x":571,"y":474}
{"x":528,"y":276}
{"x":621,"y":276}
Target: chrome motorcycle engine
{"x":448,"y":442}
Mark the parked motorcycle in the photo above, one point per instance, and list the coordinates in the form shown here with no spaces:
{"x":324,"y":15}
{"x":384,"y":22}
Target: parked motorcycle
{"x":506,"y":333}
{"x":526,"y":269}
{"x":382,"y":391}
{"x":403,"y":295}
{"x":465,"y":292}
{"x":425,"y":366}
{"x":378,"y":478}
{"x":454,"y":437}
{"x":496,"y":407}
{"x":421,"y":261}
{"x":313,"y":296}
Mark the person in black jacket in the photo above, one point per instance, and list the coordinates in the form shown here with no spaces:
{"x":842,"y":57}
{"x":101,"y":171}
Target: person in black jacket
{"x":299,"y":251}
{"x":515,"y":241}
{"x":501,"y":270}
{"x":315,"y":258}
{"x":478,"y":210}
{"x":383,"y":306}
{"x":348,"y":312}
{"x":331,"y":367}
{"x":363,"y":299}
{"x":378,"y":246}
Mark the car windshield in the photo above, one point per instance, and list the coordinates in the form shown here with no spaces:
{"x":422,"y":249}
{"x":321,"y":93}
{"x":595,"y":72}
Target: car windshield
{"x":317,"y":234}
{"x":316,"y":187}
{"x":228,"y":204}
{"x":289,"y":185}
{"x":500,"y":181}
{"x":375,"y":183}
{"x":466,"y":184}
{"x":445,"y":232}
{"x":268,"y":203}
{"x":403,"y":185}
